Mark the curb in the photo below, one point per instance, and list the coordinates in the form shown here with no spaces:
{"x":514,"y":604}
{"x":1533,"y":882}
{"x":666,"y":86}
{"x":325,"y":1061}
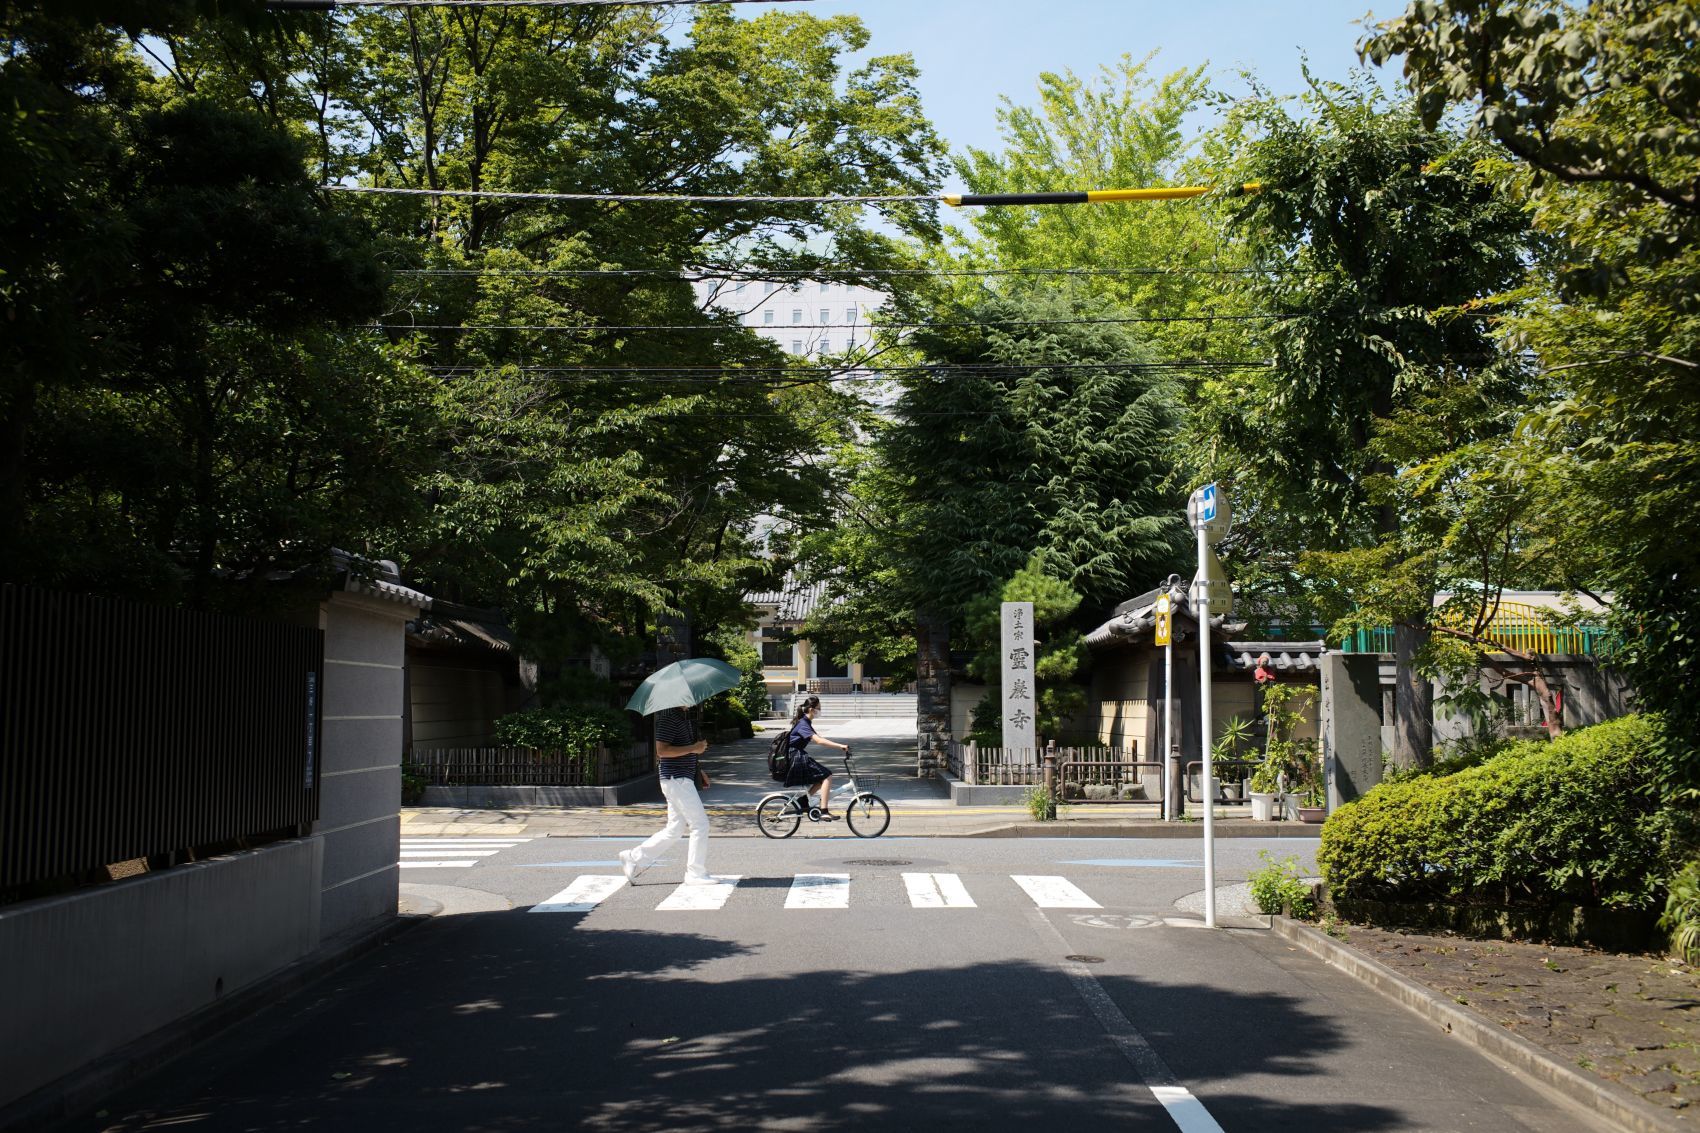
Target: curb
{"x":1193,"y":830}
{"x":78,"y":1094}
{"x":1605,"y":1099}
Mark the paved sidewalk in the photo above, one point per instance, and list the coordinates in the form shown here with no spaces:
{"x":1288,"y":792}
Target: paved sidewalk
{"x":885,"y":763}
{"x":1633,"y":1020}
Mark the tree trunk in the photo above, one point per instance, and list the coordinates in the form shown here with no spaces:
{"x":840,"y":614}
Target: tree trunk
{"x":1413,"y":700}
{"x":932,"y":694}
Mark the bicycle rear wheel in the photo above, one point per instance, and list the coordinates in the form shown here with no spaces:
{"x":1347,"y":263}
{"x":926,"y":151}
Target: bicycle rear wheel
{"x":867,"y":816}
{"x":777,"y":818}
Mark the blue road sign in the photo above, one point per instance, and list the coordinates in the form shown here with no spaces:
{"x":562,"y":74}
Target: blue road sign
{"x":1207,"y":504}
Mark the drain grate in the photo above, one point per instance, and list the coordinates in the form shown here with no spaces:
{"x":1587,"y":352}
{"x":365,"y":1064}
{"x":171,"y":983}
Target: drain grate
{"x":1085,"y":959}
{"x":878,"y":861}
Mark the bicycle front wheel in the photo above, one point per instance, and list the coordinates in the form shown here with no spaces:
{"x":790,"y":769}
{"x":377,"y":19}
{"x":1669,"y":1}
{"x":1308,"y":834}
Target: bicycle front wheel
{"x":777,"y":818}
{"x":867,"y":816}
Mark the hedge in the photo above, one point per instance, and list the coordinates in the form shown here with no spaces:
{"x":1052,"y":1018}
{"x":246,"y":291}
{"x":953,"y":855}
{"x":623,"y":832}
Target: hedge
{"x":1565,"y":822}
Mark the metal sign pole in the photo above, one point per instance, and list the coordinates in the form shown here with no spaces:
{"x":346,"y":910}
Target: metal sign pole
{"x":1208,"y":788}
{"x":1168,"y":729}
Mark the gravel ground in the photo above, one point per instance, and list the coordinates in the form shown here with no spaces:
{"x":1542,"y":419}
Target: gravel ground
{"x":1633,"y":1019}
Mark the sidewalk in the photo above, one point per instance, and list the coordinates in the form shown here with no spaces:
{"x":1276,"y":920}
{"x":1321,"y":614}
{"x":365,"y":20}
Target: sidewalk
{"x":884,"y":753}
{"x":1629,"y":1019}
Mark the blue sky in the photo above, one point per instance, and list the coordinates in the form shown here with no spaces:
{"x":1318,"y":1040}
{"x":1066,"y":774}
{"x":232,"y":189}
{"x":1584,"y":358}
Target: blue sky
{"x":969,"y":54}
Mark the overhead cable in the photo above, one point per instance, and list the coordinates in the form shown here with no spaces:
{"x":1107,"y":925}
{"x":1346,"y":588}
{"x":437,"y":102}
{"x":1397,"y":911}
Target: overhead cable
{"x":758,"y":275}
{"x":593,"y":329}
{"x":333,"y":5}
{"x":1091,"y":196}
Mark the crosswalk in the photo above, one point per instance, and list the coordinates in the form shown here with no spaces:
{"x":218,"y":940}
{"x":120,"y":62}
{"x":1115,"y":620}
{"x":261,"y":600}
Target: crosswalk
{"x":816,"y":891}
{"x":452,"y":853}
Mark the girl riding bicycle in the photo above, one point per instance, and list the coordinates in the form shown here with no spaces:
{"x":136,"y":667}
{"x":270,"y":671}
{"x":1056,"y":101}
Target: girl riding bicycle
{"x":806,"y":771}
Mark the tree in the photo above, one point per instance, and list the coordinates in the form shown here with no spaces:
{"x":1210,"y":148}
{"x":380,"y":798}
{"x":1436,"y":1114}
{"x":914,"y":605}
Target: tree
{"x":188,"y":410}
{"x":1376,"y":235}
{"x":1060,"y":647}
{"x":1595,"y":106}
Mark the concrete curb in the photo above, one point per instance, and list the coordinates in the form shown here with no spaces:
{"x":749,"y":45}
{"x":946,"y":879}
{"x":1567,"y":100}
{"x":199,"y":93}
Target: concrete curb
{"x":1193,"y":830}
{"x":1612,"y":1102}
{"x":79,"y":1093}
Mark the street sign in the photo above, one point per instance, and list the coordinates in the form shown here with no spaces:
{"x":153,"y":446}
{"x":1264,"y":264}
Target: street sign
{"x":1208,"y":511}
{"x":1161,"y":614}
{"x":1210,"y":587}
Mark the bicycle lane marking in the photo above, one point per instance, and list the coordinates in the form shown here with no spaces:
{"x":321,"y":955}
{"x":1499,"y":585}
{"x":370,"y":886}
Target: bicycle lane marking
{"x":1185,"y":1110}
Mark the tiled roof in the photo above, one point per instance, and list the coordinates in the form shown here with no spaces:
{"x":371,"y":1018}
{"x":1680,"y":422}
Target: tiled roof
{"x":793,"y":603}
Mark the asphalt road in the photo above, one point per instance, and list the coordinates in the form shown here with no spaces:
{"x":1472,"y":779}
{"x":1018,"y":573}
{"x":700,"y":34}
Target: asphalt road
{"x":980,"y":993}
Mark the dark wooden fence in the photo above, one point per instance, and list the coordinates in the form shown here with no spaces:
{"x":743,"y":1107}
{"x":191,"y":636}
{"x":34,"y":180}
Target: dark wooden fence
{"x":131,"y":731}
{"x":529,"y":766}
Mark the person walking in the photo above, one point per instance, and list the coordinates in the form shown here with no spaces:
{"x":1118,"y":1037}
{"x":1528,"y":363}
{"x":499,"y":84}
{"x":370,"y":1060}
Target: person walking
{"x":806,"y":771}
{"x":678,"y":744}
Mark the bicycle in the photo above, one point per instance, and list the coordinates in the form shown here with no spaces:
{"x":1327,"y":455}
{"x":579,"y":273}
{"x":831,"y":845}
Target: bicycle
{"x":780,"y":813}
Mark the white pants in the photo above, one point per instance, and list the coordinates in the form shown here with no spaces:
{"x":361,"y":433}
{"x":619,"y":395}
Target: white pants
{"x":684,"y":810}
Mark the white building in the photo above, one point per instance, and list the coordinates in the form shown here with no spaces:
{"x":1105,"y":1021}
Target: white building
{"x":810,"y":318}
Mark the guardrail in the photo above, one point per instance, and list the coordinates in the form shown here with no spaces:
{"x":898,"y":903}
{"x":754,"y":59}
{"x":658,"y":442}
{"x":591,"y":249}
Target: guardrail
{"x":1195,"y":780}
{"x":1110,"y":780}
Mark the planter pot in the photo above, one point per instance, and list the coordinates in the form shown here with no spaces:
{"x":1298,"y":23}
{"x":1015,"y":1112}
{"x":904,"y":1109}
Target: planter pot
{"x":1262,"y":806}
{"x":1290,"y":807}
{"x":1230,"y":792}
{"x":1313,"y":814}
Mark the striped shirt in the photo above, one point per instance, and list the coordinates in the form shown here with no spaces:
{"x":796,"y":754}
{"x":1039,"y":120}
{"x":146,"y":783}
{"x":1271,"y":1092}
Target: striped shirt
{"x":675,"y":726}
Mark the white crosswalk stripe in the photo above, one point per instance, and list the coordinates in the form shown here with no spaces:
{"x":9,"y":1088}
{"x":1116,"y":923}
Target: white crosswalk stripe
{"x":584,"y":894}
{"x":700,"y":898}
{"x":1054,"y":892}
{"x":450,"y":852}
{"x":937,"y":891}
{"x":819,"y":891}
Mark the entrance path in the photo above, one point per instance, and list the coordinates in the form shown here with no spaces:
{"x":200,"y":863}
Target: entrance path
{"x":884,"y":751}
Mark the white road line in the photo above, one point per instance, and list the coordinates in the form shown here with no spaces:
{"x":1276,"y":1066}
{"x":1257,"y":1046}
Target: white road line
{"x":499,"y":843}
{"x":937,"y":891}
{"x":700,"y":898}
{"x":819,"y":891}
{"x":584,"y":894}
{"x":1187,"y":1112}
{"x":446,"y":851}
{"x":437,"y":865}
{"x":1054,"y":892}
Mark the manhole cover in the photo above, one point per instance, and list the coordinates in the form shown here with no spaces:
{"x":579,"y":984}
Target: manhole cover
{"x":1085,"y":959}
{"x":878,"y":861}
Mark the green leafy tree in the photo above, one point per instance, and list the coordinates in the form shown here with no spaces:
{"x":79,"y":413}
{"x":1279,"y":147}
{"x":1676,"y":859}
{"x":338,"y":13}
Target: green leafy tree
{"x":1059,"y":648}
{"x":1595,"y":106}
{"x":1376,"y":235}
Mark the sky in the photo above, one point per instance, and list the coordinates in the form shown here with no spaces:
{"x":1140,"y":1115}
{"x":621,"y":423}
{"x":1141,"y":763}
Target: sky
{"x":969,"y":54}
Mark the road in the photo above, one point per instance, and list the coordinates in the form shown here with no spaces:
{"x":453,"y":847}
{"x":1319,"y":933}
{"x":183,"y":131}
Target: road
{"x":914,"y":983}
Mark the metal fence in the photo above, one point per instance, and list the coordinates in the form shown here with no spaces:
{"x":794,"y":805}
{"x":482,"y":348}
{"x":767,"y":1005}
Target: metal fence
{"x":530,"y":766}
{"x":1108,"y":775}
{"x":133,"y":731}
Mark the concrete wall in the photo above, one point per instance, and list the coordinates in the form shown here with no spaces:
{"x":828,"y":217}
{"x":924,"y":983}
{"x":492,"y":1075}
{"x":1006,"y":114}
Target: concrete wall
{"x":360,"y":784}
{"x":86,"y":973}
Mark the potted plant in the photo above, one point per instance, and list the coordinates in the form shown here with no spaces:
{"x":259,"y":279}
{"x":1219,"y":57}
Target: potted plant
{"x":1265,"y":788}
{"x":1313,"y":802}
{"x":1225,"y":757}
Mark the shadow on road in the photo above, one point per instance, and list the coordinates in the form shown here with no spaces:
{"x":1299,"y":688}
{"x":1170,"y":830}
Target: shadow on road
{"x":505,"y":1021}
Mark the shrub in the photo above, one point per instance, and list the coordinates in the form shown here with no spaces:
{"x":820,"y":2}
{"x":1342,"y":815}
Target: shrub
{"x":1681,"y":918}
{"x":1279,"y":887}
{"x":1543,"y":823}
{"x":570,"y":728}
{"x":1040,"y":804}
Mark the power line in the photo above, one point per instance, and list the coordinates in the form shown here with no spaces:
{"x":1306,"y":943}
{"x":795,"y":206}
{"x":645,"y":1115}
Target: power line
{"x":823,"y":326}
{"x":938,"y":369}
{"x":644,"y":198}
{"x":1089,"y":196}
{"x":333,"y":5}
{"x":759,"y":275}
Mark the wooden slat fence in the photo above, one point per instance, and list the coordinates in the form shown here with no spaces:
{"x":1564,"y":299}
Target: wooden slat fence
{"x":529,"y":766}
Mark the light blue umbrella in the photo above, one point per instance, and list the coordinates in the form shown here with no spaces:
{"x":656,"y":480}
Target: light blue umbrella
{"x":682,"y":684}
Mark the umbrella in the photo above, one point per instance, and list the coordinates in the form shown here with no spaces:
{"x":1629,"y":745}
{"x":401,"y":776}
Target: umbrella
{"x":683,"y":683}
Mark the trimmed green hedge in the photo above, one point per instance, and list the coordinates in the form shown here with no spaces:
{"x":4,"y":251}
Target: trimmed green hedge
{"x":1569,"y":821}
{"x":570,"y":728}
